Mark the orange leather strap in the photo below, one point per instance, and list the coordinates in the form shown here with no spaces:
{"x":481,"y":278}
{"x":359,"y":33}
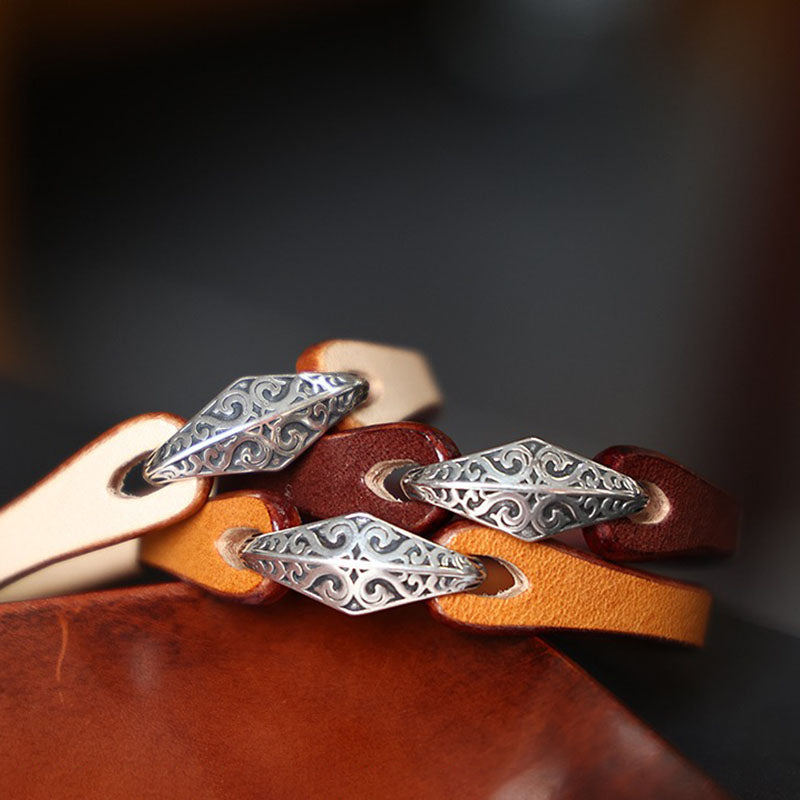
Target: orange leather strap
{"x":201,"y":549}
{"x":558,"y":587}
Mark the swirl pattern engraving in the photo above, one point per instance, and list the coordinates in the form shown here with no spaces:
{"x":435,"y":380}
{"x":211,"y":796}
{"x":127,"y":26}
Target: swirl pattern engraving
{"x":257,"y":424}
{"x":530,"y":489}
{"x":358,"y":563}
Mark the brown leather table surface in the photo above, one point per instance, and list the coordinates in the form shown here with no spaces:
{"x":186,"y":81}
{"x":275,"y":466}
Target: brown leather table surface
{"x":164,"y":690}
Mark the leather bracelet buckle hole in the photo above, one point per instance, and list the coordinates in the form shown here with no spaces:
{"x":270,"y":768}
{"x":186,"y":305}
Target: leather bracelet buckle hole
{"x":503,"y":579}
{"x":230,"y":543}
{"x":384,"y":479}
{"x":375,"y":387}
{"x":657,"y":509}
{"x":129,"y":481}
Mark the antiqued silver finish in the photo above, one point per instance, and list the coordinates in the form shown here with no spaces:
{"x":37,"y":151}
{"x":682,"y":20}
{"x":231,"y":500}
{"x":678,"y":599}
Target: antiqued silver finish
{"x":530,"y":489}
{"x":259,"y":423}
{"x":358,"y":563}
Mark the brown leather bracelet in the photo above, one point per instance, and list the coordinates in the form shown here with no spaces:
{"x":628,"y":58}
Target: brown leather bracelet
{"x":346,"y":471}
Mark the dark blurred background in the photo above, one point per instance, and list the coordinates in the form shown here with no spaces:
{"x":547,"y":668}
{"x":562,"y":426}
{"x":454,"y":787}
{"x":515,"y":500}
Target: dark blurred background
{"x":584,"y":212}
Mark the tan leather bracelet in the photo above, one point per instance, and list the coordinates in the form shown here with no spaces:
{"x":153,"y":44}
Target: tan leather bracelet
{"x":556,"y":586}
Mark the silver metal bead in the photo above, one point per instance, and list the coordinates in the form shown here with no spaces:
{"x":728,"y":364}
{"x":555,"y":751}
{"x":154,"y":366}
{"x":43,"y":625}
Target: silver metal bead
{"x":530,"y":489}
{"x":259,"y":423}
{"x":358,"y":563}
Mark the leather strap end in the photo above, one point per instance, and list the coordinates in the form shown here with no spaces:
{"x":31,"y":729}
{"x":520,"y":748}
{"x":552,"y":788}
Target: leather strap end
{"x":401,"y":381}
{"x":559,"y":588}
{"x":197,"y":550}
{"x":685,"y":517}
{"x":83,"y":505}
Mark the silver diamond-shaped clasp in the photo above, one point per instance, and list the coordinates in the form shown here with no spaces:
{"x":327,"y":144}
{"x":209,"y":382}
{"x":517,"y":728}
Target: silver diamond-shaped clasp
{"x":530,"y":489}
{"x":259,"y":423}
{"x":358,"y":563}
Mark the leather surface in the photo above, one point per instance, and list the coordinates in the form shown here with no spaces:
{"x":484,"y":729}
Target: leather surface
{"x":329,"y":479}
{"x":401,"y":382}
{"x":189,"y":549}
{"x":166,"y":691}
{"x":94,"y":570}
{"x":78,"y":507}
{"x":564,"y":588}
{"x":701,"y":520}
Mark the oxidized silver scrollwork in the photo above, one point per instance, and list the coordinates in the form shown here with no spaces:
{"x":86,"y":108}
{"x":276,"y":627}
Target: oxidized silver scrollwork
{"x":358,"y":563}
{"x":258,"y":423}
{"x":530,"y":489}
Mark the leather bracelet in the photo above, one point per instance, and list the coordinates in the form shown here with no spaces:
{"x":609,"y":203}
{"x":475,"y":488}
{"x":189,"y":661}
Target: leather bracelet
{"x":91,"y":508}
{"x":353,"y":470}
{"x":529,"y":489}
{"x":555,"y":586}
{"x":85,"y":504}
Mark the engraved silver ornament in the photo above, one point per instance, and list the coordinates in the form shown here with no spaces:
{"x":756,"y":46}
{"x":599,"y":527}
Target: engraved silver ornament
{"x":259,"y":423}
{"x":358,"y":563}
{"x":530,"y":489}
